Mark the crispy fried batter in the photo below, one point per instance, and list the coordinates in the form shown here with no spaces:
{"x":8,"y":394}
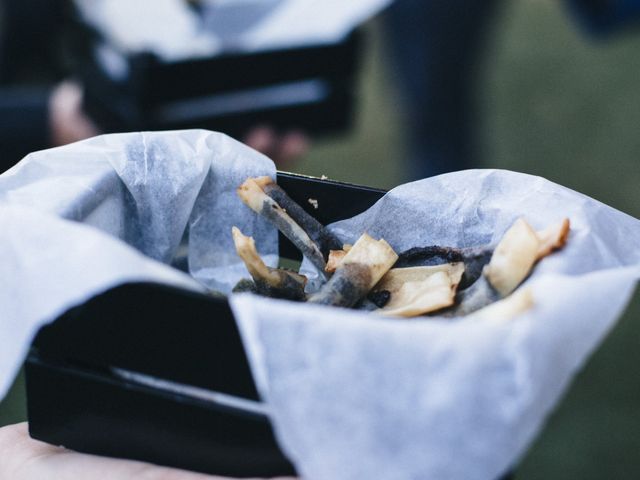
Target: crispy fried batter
{"x":513,"y":258}
{"x":425,"y":279}
{"x":552,"y":238}
{"x":254,"y":197}
{"x":324,"y":238}
{"x":362,"y":267}
{"x":515,"y":304}
{"x":420,"y":296}
{"x":269,"y":281}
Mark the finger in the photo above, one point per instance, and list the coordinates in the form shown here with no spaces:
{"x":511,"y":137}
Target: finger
{"x":22,"y":458}
{"x":291,"y":147}
{"x":67,"y":122}
{"x":262,"y":139}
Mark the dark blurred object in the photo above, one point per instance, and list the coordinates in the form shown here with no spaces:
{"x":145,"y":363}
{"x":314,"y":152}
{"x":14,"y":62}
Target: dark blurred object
{"x":30,"y":64}
{"x":30,"y":50}
{"x":437,"y":53}
{"x":307,"y":88}
{"x":436,"y":49}
{"x":606,"y":16}
{"x":75,"y":400}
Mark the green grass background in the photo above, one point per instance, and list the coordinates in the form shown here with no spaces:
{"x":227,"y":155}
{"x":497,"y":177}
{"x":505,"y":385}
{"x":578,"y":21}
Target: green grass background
{"x":555,"y":103}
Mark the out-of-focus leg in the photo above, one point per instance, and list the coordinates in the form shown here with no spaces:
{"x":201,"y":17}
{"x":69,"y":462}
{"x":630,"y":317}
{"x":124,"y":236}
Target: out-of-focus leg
{"x":435,"y":49}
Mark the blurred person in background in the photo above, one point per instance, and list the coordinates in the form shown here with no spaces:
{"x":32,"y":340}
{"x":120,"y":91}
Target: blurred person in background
{"x":436,"y":51}
{"x":41,"y":106}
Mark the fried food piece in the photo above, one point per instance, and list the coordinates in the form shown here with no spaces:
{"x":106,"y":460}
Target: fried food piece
{"x":272,"y":282}
{"x":255,"y":198}
{"x":362,"y":267}
{"x":429,"y":255}
{"x":513,"y":258}
{"x":474,"y":259}
{"x":553,"y":237}
{"x":336,"y":257}
{"x":373,"y":302}
{"x":421,"y":289}
{"x":507,"y":308}
{"x":379,"y":298}
{"x":396,"y":277}
{"x":322,"y":236}
{"x":245,"y":285}
{"x":477,"y":296}
{"x":334,"y":260}
{"x":520,"y":248}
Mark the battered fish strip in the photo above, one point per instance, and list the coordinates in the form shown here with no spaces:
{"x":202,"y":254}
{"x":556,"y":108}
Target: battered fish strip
{"x":419,"y":290}
{"x":336,"y":257}
{"x":474,"y":259}
{"x":426,"y":279}
{"x":477,"y":296}
{"x":322,"y":236}
{"x":507,"y":308}
{"x":272,"y":282}
{"x":255,"y":198}
{"x":362,"y":267}
{"x":512,"y":260}
{"x":553,"y":237}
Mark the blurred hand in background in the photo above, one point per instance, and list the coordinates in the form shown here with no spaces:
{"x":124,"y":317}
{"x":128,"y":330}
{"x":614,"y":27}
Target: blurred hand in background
{"x":67,"y":122}
{"x":284,"y":149}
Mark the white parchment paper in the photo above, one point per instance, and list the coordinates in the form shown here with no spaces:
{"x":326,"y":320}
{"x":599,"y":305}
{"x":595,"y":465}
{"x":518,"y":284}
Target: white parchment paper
{"x":356,"y":396}
{"x":80,"y":219}
{"x":352,"y":395}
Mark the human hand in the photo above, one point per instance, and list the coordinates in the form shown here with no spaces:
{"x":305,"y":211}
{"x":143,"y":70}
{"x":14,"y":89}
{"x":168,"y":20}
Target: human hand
{"x":283,"y":149}
{"x":22,"y":458}
{"x":67,"y":122}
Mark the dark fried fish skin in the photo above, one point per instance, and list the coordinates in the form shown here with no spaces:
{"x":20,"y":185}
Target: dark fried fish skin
{"x":429,"y":255}
{"x":510,"y":263}
{"x":245,"y":285}
{"x":345,"y":288}
{"x":309,"y":250}
{"x":322,"y":236}
{"x":252,"y":194}
{"x":288,"y":289}
{"x":379,"y":297}
{"x":272,"y":282}
{"x":366,"y":305}
{"x":362,"y":267}
{"x":477,"y":296}
{"x":374,"y":301}
{"x":474,"y":259}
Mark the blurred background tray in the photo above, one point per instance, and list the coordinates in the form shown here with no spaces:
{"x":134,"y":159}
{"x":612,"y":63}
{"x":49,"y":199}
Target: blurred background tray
{"x":309,"y":88}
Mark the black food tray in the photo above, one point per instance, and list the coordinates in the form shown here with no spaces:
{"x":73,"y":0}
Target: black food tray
{"x":206,"y":413}
{"x":159,"y":374}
